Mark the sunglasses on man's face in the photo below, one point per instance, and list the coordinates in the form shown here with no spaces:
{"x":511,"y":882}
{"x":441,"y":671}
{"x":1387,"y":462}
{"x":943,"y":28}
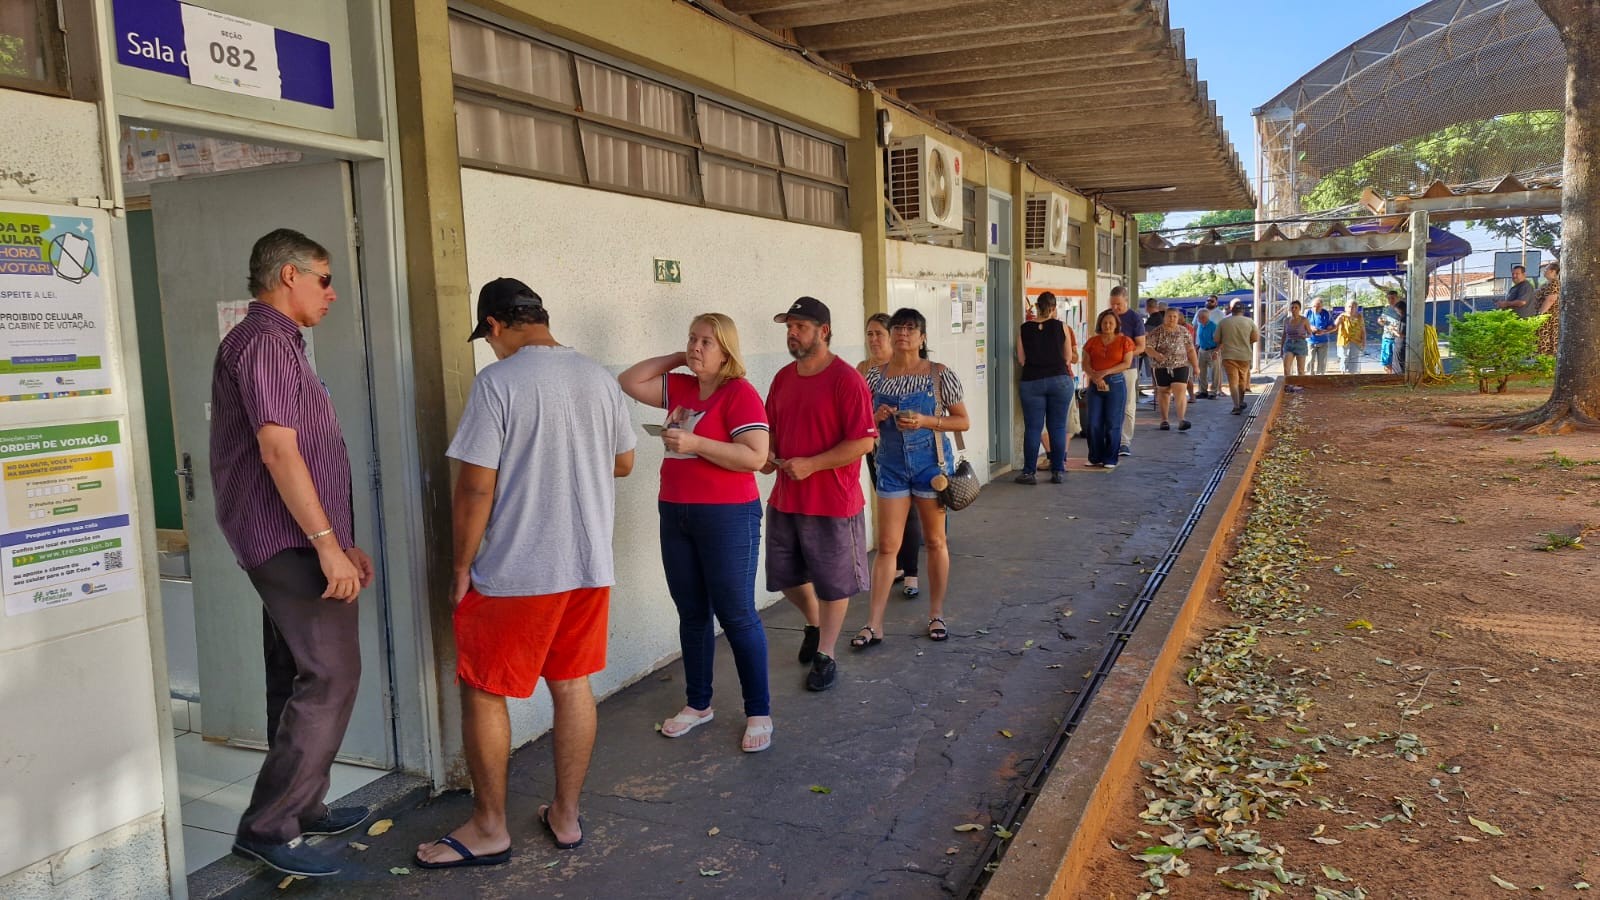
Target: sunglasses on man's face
{"x":323,"y":278}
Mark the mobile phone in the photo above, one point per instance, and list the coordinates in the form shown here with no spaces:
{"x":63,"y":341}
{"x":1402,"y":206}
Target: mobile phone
{"x":653,"y":429}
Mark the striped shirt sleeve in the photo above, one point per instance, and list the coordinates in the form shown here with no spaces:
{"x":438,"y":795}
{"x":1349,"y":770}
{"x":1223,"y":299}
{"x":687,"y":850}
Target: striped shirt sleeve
{"x":744,"y":411}
{"x":269,"y":380}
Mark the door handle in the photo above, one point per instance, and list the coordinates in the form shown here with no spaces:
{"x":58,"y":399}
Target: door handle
{"x":187,"y":474}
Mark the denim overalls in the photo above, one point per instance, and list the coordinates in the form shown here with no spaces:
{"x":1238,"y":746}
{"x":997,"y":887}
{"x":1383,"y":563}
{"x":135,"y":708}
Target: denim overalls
{"x":907,"y":460}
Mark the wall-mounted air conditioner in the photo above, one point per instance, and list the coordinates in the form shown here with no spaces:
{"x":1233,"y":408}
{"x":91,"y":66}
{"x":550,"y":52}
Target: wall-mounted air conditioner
{"x":924,"y":186}
{"x":1048,"y":223}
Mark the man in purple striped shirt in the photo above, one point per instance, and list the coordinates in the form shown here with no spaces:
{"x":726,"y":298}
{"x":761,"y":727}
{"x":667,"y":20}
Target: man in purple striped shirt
{"x":282,"y":478}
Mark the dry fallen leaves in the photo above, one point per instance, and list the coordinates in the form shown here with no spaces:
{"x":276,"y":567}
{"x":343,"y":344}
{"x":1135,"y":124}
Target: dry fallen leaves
{"x":379,"y":827}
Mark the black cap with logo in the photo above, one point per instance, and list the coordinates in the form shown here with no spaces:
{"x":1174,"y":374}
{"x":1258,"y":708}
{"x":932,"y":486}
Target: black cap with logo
{"x":499,"y":297}
{"x":806,"y":308}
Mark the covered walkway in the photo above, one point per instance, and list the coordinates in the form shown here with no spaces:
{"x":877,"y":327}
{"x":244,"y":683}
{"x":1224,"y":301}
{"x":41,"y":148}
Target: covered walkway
{"x":864,"y":785}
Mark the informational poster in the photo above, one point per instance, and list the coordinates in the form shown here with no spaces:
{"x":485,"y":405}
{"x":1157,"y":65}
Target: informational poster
{"x":982,"y":349}
{"x":229,"y":314}
{"x":54,"y":308}
{"x":955,"y":309}
{"x":68,"y":531}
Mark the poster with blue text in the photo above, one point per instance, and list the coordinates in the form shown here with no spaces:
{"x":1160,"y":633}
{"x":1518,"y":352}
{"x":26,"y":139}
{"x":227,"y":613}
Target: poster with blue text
{"x":53,"y":307}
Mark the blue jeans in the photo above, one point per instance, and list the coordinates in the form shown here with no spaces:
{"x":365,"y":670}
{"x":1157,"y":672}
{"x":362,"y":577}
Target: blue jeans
{"x":1104,"y":427}
{"x":709,"y":551}
{"x":1044,"y":405}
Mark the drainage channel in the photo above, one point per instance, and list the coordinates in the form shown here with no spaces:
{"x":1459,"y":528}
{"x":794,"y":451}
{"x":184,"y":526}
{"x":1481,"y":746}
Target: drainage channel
{"x":989,"y":858}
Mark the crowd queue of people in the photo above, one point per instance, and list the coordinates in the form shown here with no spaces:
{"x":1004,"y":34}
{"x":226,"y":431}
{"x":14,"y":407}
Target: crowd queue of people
{"x":545,"y":433}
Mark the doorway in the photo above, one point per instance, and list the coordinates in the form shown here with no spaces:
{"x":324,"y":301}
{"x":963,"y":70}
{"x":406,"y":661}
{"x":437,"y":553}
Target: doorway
{"x":1002,"y":332}
{"x":191,"y":227}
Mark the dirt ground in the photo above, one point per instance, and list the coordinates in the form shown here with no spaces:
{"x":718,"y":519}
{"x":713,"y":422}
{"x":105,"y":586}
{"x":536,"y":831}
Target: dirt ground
{"x":1395,"y":694}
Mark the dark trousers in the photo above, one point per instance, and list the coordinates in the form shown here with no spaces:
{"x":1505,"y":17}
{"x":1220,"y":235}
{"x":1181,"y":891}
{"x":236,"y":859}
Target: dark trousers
{"x":1044,"y":407}
{"x":1104,"y":427}
{"x":709,"y":551}
{"x":313,"y":655}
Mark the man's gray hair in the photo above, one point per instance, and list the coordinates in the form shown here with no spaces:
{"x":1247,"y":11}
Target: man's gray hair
{"x":276,"y":249}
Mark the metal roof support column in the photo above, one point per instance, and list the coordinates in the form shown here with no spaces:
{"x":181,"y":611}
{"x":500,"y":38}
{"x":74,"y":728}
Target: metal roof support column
{"x":1417,"y":296}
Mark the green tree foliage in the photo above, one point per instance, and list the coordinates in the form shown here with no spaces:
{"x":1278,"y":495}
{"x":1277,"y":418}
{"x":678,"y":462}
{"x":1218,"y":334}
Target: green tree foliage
{"x":11,"y":56}
{"x":1150,"y":221}
{"x":1497,"y":344}
{"x":1219,"y":217}
{"x":1543,"y":231}
{"x":1197,"y":283}
{"x":1461,"y":153}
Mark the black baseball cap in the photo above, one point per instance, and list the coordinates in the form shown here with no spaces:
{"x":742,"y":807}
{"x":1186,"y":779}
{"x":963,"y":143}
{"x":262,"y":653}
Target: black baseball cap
{"x":806,"y":308}
{"x":499,"y":297}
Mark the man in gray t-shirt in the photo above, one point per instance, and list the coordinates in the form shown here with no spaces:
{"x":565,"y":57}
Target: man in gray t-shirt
{"x":1520,"y":296}
{"x":533,"y":567}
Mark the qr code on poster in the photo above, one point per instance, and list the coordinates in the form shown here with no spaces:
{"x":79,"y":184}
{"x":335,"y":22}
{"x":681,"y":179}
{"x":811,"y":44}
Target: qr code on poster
{"x":113,"y":560}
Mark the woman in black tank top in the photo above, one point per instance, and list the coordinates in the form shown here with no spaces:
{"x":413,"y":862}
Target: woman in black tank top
{"x":1046,"y":351}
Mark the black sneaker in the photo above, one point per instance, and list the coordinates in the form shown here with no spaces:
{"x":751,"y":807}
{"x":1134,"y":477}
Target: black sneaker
{"x":1057,"y":477}
{"x":1025,"y":478}
{"x":1184,"y":425}
{"x":808,"y":644}
{"x":1125,"y":451}
{"x":824,"y":672}
{"x":338,"y":821}
{"x":293,"y":858}
{"x":1238,"y":410}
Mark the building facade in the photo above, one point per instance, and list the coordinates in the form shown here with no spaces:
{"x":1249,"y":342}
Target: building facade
{"x":637,"y":162}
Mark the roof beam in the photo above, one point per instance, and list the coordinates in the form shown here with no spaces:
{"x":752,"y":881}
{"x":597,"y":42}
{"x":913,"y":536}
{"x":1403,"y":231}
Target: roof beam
{"x":1458,"y":208}
{"x":790,"y":14}
{"x":1103,"y":97}
{"x":1277,"y":250}
{"x":986,"y":22}
{"x":1076,"y":76}
{"x":1053,"y":37}
{"x":953,"y":65}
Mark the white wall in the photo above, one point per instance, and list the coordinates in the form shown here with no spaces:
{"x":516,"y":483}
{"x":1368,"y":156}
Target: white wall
{"x":81,"y":790}
{"x":924,"y":278}
{"x":1069,"y":286}
{"x":589,"y":254}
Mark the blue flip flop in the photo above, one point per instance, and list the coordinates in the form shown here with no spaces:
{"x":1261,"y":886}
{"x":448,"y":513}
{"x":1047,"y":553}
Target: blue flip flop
{"x":468,"y":858}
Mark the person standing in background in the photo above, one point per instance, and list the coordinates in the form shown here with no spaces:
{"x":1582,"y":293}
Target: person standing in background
{"x":1131,"y":326}
{"x":1237,"y":336}
{"x":715,"y":440}
{"x":878,"y":353}
{"x":1046,"y":350}
{"x":1108,"y":357}
{"x":820,"y":412}
{"x":1549,"y":299}
{"x":1296,"y":340}
{"x":1210,"y":366}
{"x":282,"y":476}
{"x":1520,"y":296}
{"x":1322,"y":334}
{"x":1352,"y":331}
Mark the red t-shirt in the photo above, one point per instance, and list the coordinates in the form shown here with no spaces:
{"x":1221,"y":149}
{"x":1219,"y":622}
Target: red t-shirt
{"x":731,"y":410}
{"x":812,"y":415}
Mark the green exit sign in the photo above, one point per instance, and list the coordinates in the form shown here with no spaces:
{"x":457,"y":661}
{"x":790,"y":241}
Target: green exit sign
{"x":669,"y":271}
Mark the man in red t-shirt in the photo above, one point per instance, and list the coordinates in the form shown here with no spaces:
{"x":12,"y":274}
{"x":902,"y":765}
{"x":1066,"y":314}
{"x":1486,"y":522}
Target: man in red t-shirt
{"x":820,"y":413}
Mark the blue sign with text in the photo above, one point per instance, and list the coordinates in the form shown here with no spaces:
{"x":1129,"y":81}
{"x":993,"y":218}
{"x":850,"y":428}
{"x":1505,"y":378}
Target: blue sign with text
{"x":150,"y":36}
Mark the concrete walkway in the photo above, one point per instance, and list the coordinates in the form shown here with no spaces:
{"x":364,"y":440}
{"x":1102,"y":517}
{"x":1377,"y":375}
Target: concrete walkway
{"x":864,"y":784}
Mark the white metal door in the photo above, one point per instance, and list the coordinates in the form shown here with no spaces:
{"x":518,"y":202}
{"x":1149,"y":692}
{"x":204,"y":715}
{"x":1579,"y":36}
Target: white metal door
{"x":204,"y":230}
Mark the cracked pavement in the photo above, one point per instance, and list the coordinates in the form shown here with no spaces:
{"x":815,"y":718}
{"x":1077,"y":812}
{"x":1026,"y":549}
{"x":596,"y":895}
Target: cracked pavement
{"x":1037,"y":577}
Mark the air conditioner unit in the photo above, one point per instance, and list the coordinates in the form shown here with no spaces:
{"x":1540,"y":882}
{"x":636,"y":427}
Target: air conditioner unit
{"x":1047,"y":225}
{"x":924,"y":186}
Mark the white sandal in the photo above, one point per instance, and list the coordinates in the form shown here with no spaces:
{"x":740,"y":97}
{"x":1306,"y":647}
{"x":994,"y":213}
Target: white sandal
{"x":690,"y":723}
{"x":751,"y":731}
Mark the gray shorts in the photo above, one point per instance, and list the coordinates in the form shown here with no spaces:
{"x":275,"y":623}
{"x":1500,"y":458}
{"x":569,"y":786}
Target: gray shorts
{"x":828,"y":552}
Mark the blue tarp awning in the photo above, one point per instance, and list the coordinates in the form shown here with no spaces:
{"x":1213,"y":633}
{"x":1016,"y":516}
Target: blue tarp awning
{"x":1443,"y":248}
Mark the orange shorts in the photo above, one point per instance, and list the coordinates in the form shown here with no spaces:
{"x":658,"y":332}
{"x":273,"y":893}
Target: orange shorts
{"x":504,"y":645}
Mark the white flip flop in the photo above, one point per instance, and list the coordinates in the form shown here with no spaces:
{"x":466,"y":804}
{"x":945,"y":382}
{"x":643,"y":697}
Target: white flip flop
{"x":691,"y":721}
{"x":757,"y":731}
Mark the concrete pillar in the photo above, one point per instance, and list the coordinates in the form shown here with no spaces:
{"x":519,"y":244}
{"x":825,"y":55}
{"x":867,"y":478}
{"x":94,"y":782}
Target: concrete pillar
{"x":867,"y":205}
{"x":1416,"y":296}
{"x":441,"y":312}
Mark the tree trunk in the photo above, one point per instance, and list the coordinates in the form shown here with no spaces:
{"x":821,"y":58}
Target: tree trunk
{"x":1575,"y":400}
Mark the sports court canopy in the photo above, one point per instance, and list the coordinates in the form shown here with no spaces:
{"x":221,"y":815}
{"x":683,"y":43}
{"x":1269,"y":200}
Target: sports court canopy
{"x":1075,"y":88}
{"x":1443,"y":63}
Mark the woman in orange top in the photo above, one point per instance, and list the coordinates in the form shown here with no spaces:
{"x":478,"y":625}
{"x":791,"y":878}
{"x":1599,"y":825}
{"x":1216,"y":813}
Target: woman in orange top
{"x":1107,"y":355}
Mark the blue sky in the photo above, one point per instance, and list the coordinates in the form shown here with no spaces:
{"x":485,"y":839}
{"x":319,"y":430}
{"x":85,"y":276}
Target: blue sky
{"x":1250,"y":50}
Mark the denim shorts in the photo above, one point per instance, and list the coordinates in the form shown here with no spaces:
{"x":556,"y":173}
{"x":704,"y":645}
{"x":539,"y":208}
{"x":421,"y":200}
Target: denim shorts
{"x":1295,"y":347}
{"x":906,"y":466}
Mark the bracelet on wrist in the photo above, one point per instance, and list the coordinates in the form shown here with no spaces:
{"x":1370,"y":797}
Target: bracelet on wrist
{"x":313,"y":538}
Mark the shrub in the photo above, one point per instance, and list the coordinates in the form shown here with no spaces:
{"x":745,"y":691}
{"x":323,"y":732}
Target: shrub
{"x":1497,"y":344}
